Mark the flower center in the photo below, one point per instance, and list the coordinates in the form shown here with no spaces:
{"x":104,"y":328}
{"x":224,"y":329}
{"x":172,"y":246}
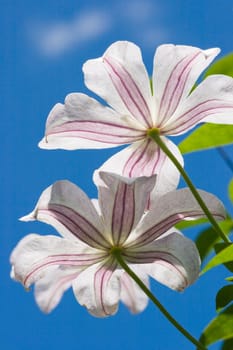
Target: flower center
{"x":153,"y":132}
{"x":116,"y":250}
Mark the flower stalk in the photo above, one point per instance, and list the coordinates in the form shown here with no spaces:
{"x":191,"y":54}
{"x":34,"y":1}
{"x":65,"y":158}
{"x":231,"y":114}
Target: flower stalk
{"x":154,"y":135}
{"x":177,"y":325}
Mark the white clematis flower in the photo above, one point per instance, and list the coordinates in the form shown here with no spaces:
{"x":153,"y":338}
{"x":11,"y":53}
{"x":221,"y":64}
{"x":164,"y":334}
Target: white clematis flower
{"x":121,"y":79}
{"x":84,"y":257}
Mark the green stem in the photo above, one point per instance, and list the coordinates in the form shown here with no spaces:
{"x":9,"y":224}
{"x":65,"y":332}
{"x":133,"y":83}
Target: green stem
{"x":154,"y":134}
{"x":117,"y":255}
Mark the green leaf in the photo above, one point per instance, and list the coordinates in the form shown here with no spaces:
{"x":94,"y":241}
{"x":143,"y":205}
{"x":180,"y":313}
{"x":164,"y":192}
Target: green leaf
{"x":206,"y":241}
{"x":220,"y":328}
{"x":182,"y":225}
{"x":229,"y":279}
{"x":208,"y":237}
{"x":230,"y":190}
{"x":222,"y":66}
{"x":225,"y":255}
{"x":207,"y":136}
{"x":218,"y":248}
{"x":224,"y":297}
{"x":228,"y":344}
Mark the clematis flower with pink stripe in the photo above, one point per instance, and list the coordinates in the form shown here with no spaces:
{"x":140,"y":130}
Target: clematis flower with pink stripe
{"x":91,"y":231}
{"x":136,"y":105}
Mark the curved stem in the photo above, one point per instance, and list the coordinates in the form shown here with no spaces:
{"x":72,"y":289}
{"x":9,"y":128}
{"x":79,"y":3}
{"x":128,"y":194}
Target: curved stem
{"x":154,"y":134}
{"x":151,"y":296}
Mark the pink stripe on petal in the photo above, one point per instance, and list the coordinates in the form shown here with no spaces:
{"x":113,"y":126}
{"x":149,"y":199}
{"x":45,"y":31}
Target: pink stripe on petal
{"x":101,"y":279}
{"x":76,"y":224}
{"x":146,"y":256}
{"x":74,"y":260}
{"x":128,"y":90}
{"x":131,"y":167}
{"x":158,"y":257}
{"x":175,"y":86}
{"x":123,"y":213}
{"x":97,"y":131}
{"x":163,"y":226}
{"x":196,"y":114}
{"x":146,"y":160}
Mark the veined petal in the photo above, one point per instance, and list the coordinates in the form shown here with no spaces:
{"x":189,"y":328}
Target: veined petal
{"x":147,"y":159}
{"x":34,"y":254}
{"x":120,"y":78}
{"x":66,"y":207}
{"x":211,"y":101}
{"x":168,"y":176}
{"x":128,"y":90}
{"x":83,"y":122}
{"x":98,"y":289}
{"x":131,"y":295}
{"x":171,"y":208}
{"x":172,"y":260}
{"x":123,"y":202}
{"x":176,"y":69}
{"x":144,"y":158}
{"x":51,"y":287}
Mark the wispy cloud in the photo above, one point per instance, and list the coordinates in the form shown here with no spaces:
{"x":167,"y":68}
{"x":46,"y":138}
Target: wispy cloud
{"x":53,"y":39}
{"x":137,"y":20}
{"x":138,"y":11}
{"x":144,"y":19}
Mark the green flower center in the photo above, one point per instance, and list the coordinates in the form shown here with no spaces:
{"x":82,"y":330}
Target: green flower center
{"x":116,"y":250}
{"x":153,"y":132}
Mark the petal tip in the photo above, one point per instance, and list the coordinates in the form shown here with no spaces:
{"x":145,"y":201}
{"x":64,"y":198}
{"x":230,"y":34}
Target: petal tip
{"x":213,"y":51}
{"x":43,"y":144}
{"x":28,"y":217}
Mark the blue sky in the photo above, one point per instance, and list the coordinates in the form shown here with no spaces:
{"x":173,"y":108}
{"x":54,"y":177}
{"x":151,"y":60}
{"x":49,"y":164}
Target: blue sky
{"x":44,"y":45}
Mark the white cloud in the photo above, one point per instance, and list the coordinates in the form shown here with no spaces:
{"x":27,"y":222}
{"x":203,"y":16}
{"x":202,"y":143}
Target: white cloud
{"x":154,"y":36}
{"x":137,"y":20}
{"x":52,"y":39}
{"x":138,"y":11}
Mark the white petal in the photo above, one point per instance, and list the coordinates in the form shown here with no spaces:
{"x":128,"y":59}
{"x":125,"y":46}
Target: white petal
{"x":170,"y":209}
{"x":144,"y":158}
{"x":131,"y":294}
{"x":120,"y":78}
{"x":172,"y":260}
{"x":123,"y":202}
{"x":168,"y":176}
{"x":211,"y":101}
{"x":98,"y":289}
{"x":83,"y":122}
{"x":51,"y":287}
{"x":95,"y":202}
{"x":176,"y":69}
{"x":35,"y":254}
{"x":66,"y":207}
